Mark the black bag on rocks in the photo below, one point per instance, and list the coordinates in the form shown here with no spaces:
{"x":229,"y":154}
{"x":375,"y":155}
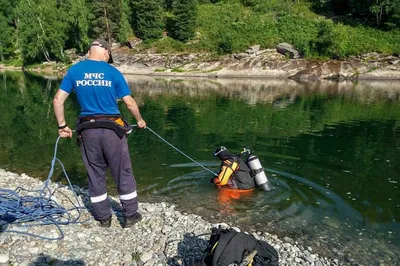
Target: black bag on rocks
{"x":228,"y":247}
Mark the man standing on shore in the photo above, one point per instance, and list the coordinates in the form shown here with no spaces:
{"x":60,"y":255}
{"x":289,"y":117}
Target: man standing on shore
{"x":102,"y":130}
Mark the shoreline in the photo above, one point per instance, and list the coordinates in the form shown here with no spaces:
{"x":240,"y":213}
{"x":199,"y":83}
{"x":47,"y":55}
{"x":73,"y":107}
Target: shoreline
{"x":266,"y":77}
{"x":165,"y":236}
{"x":214,"y":76}
{"x":266,"y":65}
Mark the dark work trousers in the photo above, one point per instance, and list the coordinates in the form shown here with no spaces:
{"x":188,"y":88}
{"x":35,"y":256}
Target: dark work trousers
{"x":102,"y":148}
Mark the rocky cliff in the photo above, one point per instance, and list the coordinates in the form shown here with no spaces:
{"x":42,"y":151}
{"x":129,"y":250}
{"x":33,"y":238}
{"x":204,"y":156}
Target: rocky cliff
{"x":265,"y":63}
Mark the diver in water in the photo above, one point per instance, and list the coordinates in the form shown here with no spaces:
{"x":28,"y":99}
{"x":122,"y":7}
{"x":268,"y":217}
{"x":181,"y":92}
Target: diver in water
{"x":240,"y":172}
{"x":234,"y":172}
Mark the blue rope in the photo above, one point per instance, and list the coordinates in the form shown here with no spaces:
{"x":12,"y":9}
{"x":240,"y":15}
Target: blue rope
{"x":30,"y":211}
{"x":152,"y":131}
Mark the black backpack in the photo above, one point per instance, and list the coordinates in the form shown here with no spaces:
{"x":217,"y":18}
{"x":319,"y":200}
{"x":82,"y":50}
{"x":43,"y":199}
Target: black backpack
{"x":227,"y":246}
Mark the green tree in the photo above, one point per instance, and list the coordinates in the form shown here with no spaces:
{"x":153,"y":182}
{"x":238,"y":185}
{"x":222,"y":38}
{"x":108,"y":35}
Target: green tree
{"x":7,"y":8}
{"x":125,"y":29}
{"x":42,"y":30}
{"x":7,"y":28}
{"x":77,"y":15}
{"x":105,"y":18}
{"x":6,"y":38}
{"x":331,"y":40}
{"x":379,"y":12}
{"x":184,"y":21}
{"x":148,"y":19}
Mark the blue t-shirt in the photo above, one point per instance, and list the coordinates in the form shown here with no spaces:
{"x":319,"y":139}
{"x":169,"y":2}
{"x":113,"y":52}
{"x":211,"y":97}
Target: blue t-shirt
{"x":98,"y":85}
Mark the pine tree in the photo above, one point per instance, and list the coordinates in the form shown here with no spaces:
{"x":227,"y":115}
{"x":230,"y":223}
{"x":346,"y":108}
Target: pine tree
{"x":125,"y":29}
{"x":105,"y":19}
{"x":77,"y":12}
{"x":148,"y":19}
{"x":6,"y":33}
{"x":184,"y":22}
{"x":7,"y":28}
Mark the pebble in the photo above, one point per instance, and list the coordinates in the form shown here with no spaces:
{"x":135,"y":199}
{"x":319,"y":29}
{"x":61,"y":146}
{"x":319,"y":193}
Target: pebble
{"x":165,"y":236}
{"x":27,"y":263}
{"x":4,"y":258}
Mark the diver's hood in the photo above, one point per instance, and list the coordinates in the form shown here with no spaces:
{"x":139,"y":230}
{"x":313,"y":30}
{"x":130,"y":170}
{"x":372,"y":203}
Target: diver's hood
{"x":223,"y":155}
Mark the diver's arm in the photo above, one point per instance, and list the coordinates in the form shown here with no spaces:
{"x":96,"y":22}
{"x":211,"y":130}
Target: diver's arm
{"x":225,"y":173}
{"x":223,"y":177}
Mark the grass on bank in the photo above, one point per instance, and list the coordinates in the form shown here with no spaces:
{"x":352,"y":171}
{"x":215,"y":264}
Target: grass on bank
{"x":233,"y":26}
{"x":15,"y":62}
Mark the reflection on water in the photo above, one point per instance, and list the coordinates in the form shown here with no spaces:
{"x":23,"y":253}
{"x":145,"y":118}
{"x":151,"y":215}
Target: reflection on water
{"x":279,"y":92}
{"x":331,"y":151}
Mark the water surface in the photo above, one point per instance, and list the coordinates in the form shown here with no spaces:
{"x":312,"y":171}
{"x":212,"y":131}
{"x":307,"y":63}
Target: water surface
{"x":331,"y":151}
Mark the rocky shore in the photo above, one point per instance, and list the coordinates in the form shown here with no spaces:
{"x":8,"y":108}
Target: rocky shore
{"x":254,"y":63}
{"x":165,"y":236}
{"x":261,"y":64}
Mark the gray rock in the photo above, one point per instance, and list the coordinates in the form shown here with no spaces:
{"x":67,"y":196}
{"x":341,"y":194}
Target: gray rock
{"x":141,"y":245}
{"x":27,"y":263}
{"x":4,"y":258}
{"x":288,"y":49}
{"x":240,"y":56}
{"x":146,"y":256}
{"x":310,"y":259}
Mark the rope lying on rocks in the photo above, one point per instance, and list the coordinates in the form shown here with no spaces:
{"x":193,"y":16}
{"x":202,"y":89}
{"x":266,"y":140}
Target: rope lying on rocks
{"x":28,"y":211}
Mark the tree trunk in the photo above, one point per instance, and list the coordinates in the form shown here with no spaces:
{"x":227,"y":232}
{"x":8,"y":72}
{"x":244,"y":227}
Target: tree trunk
{"x":107,"y":23}
{"x":45,"y":52}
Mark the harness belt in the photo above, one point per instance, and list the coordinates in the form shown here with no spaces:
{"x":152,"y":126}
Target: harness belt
{"x":113,"y":122}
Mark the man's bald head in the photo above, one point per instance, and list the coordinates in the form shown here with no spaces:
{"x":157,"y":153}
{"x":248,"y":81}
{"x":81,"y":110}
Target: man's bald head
{"x":100,"y":50}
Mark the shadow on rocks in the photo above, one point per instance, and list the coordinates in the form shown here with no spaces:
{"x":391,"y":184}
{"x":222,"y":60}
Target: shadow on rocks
{"x":115,"y":207}
{"x":190,"y":250}
{"x":45,"y":260}
{"x":5,"y":220}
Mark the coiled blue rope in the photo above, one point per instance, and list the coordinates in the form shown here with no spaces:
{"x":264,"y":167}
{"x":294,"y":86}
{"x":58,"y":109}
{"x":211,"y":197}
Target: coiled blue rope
{"x":30,"y":211}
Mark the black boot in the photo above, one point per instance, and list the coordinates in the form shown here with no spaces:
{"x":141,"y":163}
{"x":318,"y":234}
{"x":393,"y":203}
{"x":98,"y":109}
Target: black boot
{"x":130,"y":221}
{"x":105,"y":223}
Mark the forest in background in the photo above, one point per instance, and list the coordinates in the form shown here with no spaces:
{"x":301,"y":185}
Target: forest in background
{"x":34,"y":31}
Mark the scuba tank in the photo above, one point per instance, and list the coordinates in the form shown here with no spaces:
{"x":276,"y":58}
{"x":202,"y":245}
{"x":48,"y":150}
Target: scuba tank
{"x":257,"y":171}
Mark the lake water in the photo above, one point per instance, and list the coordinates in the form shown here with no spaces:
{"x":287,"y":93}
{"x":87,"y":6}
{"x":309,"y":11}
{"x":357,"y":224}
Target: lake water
{"x":331,"y":151}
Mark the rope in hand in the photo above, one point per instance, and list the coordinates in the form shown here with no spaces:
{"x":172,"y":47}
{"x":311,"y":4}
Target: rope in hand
{"x":215,"y":174}
{"x":30,"y":211}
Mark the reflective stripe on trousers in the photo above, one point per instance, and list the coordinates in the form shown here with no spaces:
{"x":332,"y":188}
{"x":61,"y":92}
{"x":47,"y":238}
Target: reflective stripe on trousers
{"x":98,"y":198}
{"x":102,"y":149}
{"x":128,"y":196}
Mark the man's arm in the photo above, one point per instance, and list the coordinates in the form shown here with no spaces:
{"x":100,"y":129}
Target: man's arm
{"x":58,"y":105}
{"x":134,"y":109}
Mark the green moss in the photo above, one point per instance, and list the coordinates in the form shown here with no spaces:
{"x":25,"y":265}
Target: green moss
{"x":177,"y":69}
{"x":136,"y":256}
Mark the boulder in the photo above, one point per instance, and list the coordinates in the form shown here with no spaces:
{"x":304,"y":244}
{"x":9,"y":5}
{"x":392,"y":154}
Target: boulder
{"x":253,"y":49}
{"x":132,"y":43}
{"x":240,"y":56}
{"x":288,"y":49}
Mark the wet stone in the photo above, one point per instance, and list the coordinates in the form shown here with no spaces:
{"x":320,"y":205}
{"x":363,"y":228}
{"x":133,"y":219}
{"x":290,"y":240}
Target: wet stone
{"x":159,"y":239}
{"x":4,"y":258}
